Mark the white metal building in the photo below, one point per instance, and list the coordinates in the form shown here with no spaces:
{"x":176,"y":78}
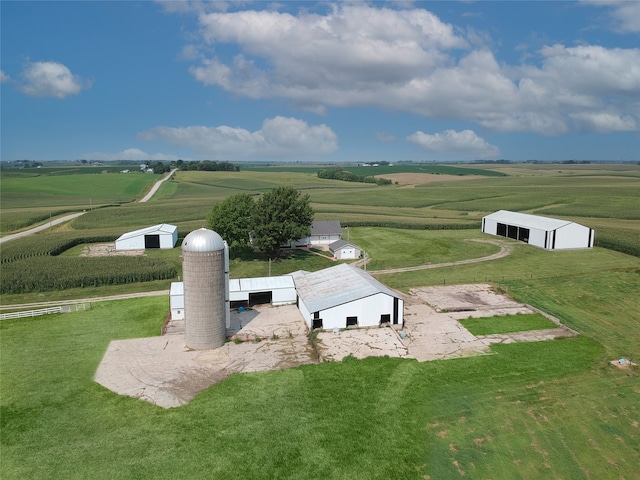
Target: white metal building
{"x":158,"y":236}
{"x":176,"y":300}
{"x":244,"y":292}
{"x":543,"y":232}
{"x":343,"y":250}
{"x":274,"y":290}
{"x":345,"y":296}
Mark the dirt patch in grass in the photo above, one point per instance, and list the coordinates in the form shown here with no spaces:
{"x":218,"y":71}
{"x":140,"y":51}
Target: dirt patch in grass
{"x":106,"y":250}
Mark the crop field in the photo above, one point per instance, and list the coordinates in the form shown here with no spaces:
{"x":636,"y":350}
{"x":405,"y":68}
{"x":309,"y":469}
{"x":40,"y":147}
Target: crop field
{"x":555,"y":409}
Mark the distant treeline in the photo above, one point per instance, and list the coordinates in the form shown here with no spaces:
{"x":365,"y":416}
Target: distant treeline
{"x":204,"y":166}
{"x":339,"y":173}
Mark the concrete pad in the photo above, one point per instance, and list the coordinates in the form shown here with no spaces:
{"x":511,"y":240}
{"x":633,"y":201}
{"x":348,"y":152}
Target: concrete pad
{"x":163,"y":371}
{"x":361,"y":343}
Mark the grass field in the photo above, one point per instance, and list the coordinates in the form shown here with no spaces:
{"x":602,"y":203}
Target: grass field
{"x":554,"y":409}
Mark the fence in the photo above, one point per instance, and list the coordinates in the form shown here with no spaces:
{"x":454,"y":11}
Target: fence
{"x":76,"y":307}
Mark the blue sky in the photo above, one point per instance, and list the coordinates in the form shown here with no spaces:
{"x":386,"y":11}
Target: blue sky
{"x":320,"y":81}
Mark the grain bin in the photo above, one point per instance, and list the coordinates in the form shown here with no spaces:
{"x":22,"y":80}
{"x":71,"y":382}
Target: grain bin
{"x":205,"y":306}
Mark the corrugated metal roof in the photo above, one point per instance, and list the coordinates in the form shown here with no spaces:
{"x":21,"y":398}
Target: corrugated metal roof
{"x":263,"y":284}
{"x":258,"y":284}
{"x":336,"y":286}
{"x":338,"y":244}
{"x":527,"y":220}
{"x":326,"y":227}
{"x":177,"y":288}
{"x":160,"y":228}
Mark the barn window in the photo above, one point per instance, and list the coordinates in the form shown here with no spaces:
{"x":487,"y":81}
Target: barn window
{"x":352,"y":321}
{"x":385,"y":318}
{"x":317,"y":321}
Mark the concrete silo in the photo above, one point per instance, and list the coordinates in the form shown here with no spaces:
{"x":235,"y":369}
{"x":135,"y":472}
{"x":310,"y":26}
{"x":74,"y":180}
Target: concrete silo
{"x":205,"y":291}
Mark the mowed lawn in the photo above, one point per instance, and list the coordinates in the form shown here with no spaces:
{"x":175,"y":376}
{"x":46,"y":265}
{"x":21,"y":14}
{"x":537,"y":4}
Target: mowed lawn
{"x":538,"y":410}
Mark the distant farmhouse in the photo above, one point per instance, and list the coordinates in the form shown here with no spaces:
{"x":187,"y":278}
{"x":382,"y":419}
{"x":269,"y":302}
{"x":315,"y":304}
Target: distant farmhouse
{"x":323,"y":232}
{"x":157,"y":236}
{"x":543,"y":232}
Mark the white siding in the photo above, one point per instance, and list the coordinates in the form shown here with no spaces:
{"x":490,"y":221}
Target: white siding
{"x":573,"y":236}
{"x":323,"y":239}
{"x":368,"y":310}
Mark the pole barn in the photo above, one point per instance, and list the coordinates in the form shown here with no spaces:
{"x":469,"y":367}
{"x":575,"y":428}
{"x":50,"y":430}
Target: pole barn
{"x":158,"y":236}
{"x":543,"y":232}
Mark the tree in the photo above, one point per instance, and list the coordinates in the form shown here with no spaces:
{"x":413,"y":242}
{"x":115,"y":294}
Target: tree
{"x":232,"y":219}
{"x":281,"y":216}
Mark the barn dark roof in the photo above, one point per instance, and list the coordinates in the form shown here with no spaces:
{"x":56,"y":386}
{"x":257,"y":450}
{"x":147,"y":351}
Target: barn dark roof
{"x":326,"y":227}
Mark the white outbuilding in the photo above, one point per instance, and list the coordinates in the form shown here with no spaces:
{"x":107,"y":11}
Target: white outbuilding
{"x":543,"y":232}
{"x":346,"y":296}
{"x":276,"y":291}
{"x":176,"y":300}
{"x":343,"y":250}
{"x":157,"y":236}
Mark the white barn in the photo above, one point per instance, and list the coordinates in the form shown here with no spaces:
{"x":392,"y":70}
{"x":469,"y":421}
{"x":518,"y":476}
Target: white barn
{"x":345,"y":296}
{"x":176,"y":300}
{"x":157,"y":236}
{"x":343,"y":250}
{"x":543,"y":232}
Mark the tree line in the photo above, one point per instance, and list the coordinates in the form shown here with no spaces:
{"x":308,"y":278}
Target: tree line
{"x":339,"y":173}
{"x":203,"y":166}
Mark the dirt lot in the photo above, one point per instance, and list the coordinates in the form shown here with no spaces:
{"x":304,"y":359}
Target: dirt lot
{"x":107,"y":249}
{"x":161,"y":370}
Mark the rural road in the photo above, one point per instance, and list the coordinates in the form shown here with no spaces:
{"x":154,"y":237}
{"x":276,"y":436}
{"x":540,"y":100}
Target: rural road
{"x":157,"y":185}
{"x":66,"y":218}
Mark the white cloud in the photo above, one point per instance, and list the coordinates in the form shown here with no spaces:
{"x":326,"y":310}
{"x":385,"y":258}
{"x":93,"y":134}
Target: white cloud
{"x":625,"y":14}
{"x":278,"y":137}
{"x":409,"y":60}
{"x":604,"y":122}
{"x":4,"y":77}
{"x":465,"y":144}
{"x":51,"y":79}
{"x":128,"y":154}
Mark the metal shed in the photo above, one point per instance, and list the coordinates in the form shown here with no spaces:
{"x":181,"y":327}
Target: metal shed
{"x":343,"y":250}
{"x":543,"y":232}
{"x":157,"y":236}
{"x":274,"y":290}
{"x":346,"y":296}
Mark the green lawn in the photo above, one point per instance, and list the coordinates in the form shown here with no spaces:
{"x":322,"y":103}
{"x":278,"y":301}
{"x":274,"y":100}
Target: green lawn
{"x":532,"y":410}
{"x":507,"y":324}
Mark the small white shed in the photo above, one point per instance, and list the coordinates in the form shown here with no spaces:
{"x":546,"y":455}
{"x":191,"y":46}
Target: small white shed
{"x":346,"y":296}
{"x":176,"y":300}
{"x":543,"y":232}
{"x":343,"y":250}
{"x":157,"y":236}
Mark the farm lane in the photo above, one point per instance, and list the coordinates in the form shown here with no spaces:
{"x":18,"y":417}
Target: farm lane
{"x":157,"y":185}
{"x":54,"y":303}
{"x":505,"y":249}
{"x":39,"y":228}
{"x":66,"y":218}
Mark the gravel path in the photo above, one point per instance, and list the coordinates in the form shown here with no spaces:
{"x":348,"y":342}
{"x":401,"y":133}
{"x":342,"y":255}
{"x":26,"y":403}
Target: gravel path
{"x":505,"y":249}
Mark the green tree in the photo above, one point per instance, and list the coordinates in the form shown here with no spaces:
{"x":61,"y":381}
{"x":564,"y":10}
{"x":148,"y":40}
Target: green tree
{"x":232,"y":219}
{"x":282,"y":215}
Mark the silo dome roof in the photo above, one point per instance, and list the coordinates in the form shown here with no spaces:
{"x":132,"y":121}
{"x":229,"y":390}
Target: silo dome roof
{"x":202,"y":240}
